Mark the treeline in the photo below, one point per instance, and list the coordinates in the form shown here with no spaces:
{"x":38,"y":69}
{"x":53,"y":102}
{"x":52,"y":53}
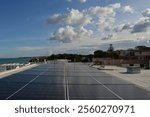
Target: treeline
{"x":70,"y":57}
{"x":110,"y":53}
{"x":78,"y":57}
{"x":106,"y":54}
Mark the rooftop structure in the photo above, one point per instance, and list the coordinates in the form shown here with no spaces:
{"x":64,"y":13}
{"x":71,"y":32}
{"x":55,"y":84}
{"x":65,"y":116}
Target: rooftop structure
{"x":139,"y":56}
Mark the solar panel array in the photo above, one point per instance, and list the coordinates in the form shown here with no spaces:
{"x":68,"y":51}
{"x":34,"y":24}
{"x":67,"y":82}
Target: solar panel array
{"x":59,"y":80}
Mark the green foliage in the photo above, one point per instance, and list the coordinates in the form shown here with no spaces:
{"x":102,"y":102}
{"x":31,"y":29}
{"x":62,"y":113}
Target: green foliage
{"x":72,"y":57}
{"x":107,"y":54}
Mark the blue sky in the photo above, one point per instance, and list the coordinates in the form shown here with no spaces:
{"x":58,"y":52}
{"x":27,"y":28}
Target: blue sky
{"x":43,"y":27}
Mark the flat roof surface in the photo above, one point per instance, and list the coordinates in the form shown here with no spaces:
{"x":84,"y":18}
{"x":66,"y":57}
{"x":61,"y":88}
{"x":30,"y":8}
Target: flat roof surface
{"x":60,"y":80}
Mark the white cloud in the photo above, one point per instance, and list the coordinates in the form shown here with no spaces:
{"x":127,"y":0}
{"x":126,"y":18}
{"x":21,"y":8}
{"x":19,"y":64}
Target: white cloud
{"x":115,"y":6}
{"x":106,"y":15}
{"x":146,"y":13}
{"x":128,"y":9}
{"x":74,"y":17}
{"x":69,"y":0}
{"x":105,"y":23}
{"x":64,"y":35}
{"x":77,"y":17}
{"x":84,"y":33}
{"x":104,"y":11}
{"x":82,"y":1}
{"x":101,"y":11}
{"x":69,"y":34}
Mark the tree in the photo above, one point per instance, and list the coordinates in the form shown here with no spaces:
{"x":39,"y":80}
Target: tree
{"x":101,"y":54}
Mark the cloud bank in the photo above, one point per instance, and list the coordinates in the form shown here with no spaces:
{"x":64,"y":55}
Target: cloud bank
{"x":97,"y":25}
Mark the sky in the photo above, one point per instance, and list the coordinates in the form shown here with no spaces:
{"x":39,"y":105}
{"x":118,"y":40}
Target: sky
{"x":45,"y":27}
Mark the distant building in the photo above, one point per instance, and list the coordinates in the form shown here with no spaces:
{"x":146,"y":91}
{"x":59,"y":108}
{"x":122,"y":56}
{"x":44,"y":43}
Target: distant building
{"x":127,"y":54}
{"x":143,"y":53}
{"x":139,"y":56}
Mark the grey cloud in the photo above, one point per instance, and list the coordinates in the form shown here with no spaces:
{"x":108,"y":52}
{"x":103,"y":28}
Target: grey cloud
{"x":56,"y":18}
{"x":126,"y":27}
{"x":123,"y":27}
{"x":141,"y":26}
